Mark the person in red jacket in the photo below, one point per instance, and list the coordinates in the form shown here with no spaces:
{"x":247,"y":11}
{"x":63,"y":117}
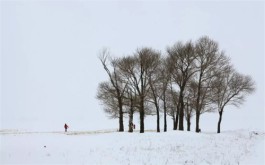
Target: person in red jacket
{"x":65,"y":127}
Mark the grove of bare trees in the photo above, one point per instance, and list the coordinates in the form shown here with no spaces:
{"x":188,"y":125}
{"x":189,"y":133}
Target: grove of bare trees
{"x":190,"y":79}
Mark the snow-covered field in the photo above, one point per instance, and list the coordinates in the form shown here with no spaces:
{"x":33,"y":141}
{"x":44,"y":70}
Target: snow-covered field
{"x":110,"y":147}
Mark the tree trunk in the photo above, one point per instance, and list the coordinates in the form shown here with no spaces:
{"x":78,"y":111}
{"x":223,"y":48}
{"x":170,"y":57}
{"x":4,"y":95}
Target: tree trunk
{"x":121,"y":127}
{"x":176,"y":121}
{"x":130,"y":119}
{"x":188,"y":126}
{"x":158,"y":124}
{"x":157,"y":119}
{"x":197,"y":122}
{"x":198,"y":109}
{"x":165,"y":117}
{"x":181,"y":110}
{"x":188,"y":123}
{"x":142,"y":116}
{"x":181,"y":116}
{"x":220,"y":120}
{"x":157,"y":114}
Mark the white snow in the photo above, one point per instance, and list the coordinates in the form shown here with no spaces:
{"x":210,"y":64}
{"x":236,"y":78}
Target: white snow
{"x":111,"y":147}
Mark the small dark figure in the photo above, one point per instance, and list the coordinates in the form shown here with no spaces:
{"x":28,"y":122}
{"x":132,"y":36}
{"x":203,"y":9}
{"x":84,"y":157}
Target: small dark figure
{"x":65,"y":127}
{"x":133,"y":126}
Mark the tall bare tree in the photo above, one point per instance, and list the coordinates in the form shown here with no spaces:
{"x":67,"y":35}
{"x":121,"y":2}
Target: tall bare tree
{"x":182,"y":57}
{"x":155,"y":93}
{"x":164,"y":79}
{"x":230,"y":88}
{"x":207,"y":59}
{"x":137,"y":69}
{"x":116,"y":81}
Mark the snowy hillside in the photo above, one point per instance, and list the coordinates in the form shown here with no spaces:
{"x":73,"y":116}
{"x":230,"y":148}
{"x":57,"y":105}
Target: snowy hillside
{"x":110,"y":147}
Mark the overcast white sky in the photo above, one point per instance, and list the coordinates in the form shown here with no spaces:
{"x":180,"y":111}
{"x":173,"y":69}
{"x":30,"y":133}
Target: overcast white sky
{"x":50,"y":70}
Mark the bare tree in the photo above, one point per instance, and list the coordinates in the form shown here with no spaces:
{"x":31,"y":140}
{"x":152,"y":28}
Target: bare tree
{"x":137,"y":69}
{"x":116,"y":81}
{"x":155,"y":93}
{"x":165,"y":79}
{"x":230,"y":88}
{"x":182,"y":57}
{"x":207,"y":59}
